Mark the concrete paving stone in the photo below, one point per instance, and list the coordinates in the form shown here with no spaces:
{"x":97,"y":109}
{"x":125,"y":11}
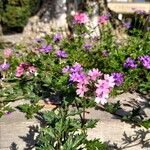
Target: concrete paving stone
{"x":15,"y":129}
{"x":119,"y":135}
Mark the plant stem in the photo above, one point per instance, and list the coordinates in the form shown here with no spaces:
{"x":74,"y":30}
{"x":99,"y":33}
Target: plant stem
{"x":83,"y":118}
{"x":78,"y":110}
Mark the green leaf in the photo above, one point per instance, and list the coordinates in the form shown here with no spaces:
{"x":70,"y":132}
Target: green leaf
{"x":146,"y":123}
{"x":1,"y":114}
{"x":74,"y":142}
{"x":49,"y":131}
{"x":96,"y":144}
{"x":8,"y":109}
{"x":30,"y":110}
{"x":91,"y":123}
{"x":112,"y":108}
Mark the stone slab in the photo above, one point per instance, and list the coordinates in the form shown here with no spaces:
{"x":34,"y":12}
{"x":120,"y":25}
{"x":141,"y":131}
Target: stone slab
{"x":128,"y":7}
{"x":15,"y":128}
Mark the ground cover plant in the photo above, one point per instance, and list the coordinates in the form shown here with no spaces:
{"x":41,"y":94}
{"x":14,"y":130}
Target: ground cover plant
{"x":82,"y":71}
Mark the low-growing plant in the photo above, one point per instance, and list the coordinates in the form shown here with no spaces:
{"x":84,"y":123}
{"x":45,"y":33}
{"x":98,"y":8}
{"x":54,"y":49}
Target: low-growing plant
{"x":64,"y":129}
{"x":79,"y":72}
{"x":30,"y":110}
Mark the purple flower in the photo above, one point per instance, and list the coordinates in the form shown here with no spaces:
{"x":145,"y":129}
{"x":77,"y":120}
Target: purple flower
{"x":87,"y":46}
{"x":145,"y":60}
{"x":103,"y":19}
{"x":46,"y":48}
{"x":79,"y":77}
{"x":57,"y":37}
{"x":140,"y":12}
{"x":76,"y":68}
{"x":61,"y":54}
{"x":95,"y":38}
{"x":119,"y":78}
{"x":105,"y":53}
{"x":76,"y":76}
{"x":8,"y":113}
{"x":39,"y":40}
{"x":130,"y":63}
{"x":66,"y":69}
{"x":4,"y":66}
{"x":127,"y":25}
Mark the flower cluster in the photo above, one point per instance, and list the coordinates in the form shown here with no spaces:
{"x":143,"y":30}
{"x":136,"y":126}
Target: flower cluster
{"x":105,"y":53}
{"x":127,"y":25}
{"x":145,"y":60}
{"x":103,"y":19}
{"x":94,"y":74}
{"x":91,"y":82}
{"x":8,"y":53}
{"x":87,"y":46}
{"x":119,"y":78}
{"x":103,"y":88}
{"x":57,"y":37}
{"x":4,"y":66}
{"x":46,"y":48}
{"x":130,"y":63}
{"x":81,"y":18}
{"x":61,"y":54}
{"x":25,"y":68}
{"x":139,"y":12}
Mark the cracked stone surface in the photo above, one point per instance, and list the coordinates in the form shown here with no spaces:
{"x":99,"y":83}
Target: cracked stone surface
{"x":18,"y":132}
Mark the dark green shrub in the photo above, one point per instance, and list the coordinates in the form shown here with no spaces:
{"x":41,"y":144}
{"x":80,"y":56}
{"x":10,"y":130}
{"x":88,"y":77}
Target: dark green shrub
{"x":15,"y":13}
{"x":15,"y":16}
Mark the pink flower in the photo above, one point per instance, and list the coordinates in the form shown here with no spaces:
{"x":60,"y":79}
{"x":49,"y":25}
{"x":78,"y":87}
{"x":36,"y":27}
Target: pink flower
{"x":103,"y":19}
{"x":8,"y":53}
{"x":24,"y":65}
{"x":66,"y":69}
{"x":81,"y":18}
{"x":19,"y":71}
{"x":94,"y":74}
{"x":110,"y":80}
{"x":25,"y":68}
{"x":102,"y":100}
{"x":32,"y":70}
{"x":103,"y":88}
{"x":81,"y":89}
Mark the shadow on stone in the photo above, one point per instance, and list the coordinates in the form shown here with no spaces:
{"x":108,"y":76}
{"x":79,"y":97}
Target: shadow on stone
{"x":31,"y":138}
{"x":13,"y":146}
{"x":139,"y":138}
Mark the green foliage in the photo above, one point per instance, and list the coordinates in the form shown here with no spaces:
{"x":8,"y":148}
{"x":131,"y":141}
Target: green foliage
{"x":139,"y":24}
{"x":41,"y":77}
{"x":135,"y":115}
{"x":29,"y":110}
{"x":96,"y":145}
{"x":34,"y":6}
{"x":15,"y":16}
{"x":146,"y":123}
{"x":63,"y":132}
{"x":15,"y":13}
{"x":137,"y":118}
{"x":113,"y":107}
{"x":6,"y":110}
